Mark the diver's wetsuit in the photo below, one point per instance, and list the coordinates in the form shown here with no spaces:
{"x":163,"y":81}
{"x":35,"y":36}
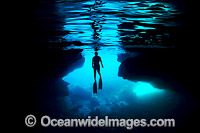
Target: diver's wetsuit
{"x":95,"y":61}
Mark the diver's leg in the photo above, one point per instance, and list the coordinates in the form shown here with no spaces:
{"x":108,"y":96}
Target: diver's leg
{"x":94,"y":74}
{"x":98,"y":70}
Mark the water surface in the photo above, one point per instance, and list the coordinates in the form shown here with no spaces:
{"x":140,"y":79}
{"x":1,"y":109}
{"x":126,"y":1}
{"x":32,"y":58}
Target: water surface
{"x":114,"y":22}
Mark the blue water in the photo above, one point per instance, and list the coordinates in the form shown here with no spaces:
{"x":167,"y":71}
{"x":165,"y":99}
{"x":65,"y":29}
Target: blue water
{"x":119,"y":97}
{"x":116,"y":22}
{"x":113,"y":25}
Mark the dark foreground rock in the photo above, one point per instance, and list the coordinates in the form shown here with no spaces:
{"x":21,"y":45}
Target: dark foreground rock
{"x":40,"y":79}
{"x":164,"y":68}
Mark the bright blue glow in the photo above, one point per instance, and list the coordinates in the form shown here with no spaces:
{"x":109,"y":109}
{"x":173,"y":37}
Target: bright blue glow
{"x":84,"y":76}
{"x":116,"y":93}
{"x":143,"y":89}
{"x":107,"y":23}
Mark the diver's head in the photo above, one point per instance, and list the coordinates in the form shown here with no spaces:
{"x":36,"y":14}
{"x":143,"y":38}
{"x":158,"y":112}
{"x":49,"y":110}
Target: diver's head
{"x":96,"y":53}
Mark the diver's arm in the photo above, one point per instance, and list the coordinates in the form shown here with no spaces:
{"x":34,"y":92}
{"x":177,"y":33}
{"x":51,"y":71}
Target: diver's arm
{"x":101,"y":63}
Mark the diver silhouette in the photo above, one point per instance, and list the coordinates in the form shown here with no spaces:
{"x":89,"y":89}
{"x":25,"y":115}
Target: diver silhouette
{"x":95,"y":64}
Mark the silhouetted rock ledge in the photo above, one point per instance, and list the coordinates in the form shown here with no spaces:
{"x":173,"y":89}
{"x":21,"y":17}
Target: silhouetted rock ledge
{"x":53,"y":66}
{"x":164,"y":68}
{"x":41,"y":77}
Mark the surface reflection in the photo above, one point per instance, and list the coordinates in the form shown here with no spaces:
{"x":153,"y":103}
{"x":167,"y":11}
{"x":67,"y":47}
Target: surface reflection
{"x":96,"y":18}
{"x":119,"y":22}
